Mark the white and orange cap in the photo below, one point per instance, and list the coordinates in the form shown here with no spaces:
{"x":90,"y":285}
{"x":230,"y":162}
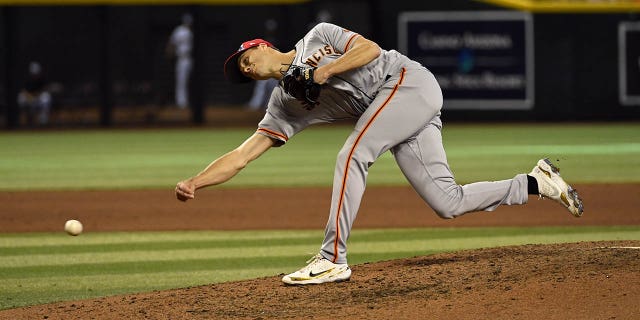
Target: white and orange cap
{"x":231,"y":68}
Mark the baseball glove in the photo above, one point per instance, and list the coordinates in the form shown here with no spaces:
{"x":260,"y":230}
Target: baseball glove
{"x":298,"y":82}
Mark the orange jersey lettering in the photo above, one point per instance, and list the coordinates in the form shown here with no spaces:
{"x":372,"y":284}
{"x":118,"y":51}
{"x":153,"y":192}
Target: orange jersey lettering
{"x":315,"y":58}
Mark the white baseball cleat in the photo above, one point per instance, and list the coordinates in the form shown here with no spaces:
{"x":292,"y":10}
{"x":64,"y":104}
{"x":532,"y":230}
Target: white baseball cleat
{"x":319,"y":270}
{"x":552,"y":186}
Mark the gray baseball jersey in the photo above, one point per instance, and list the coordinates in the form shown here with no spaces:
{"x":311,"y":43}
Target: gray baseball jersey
{"x":397,"y":103}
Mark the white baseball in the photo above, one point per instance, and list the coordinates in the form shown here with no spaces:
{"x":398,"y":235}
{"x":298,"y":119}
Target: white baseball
{"x":73,"y":227}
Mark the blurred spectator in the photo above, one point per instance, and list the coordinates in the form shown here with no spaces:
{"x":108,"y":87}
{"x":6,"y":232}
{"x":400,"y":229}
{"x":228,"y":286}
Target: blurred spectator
{"x":179,"y":48}
{"x":323,"y":15}
{"x":34,"y":98}
{"x":262,"y":89}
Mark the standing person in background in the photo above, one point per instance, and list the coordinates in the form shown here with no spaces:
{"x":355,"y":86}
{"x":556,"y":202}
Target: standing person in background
{"x":323,"y":15}
{"x":34,"y":98}
{"x":179,"y":47}
{"x":334,"y":74}
{"x":262,"y":89}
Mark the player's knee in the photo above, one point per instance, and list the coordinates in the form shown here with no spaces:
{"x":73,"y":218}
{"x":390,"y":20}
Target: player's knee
{"x":445,"y":213}
{"x":448,"y":206}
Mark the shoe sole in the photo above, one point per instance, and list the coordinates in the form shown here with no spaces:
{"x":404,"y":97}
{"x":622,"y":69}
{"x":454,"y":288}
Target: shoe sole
{"x":318,"y":280}
{"x":308,"y":282}
{"x":570,"y":198}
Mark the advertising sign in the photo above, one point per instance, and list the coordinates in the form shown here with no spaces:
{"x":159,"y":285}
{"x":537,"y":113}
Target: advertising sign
{"x":483,"y":60}
{"x":629,"y":63}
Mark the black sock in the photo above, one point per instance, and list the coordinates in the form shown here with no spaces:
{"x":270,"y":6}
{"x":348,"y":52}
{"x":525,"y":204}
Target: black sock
{"x":532,"y":185}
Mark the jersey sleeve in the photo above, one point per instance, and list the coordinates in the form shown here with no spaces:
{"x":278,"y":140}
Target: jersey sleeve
{"x":339,"y":38}
{"x":280,"y":123}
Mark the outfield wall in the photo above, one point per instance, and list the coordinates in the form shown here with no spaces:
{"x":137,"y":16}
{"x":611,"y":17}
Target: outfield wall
{"x":111,"y":57}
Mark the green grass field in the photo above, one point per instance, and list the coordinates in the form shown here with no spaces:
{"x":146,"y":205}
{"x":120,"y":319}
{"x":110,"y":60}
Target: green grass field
{"x":44,"y":267}
{"x":122,"y":159}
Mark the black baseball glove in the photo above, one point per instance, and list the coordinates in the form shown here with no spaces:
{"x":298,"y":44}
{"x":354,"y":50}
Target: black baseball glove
{"x":298,"y":82}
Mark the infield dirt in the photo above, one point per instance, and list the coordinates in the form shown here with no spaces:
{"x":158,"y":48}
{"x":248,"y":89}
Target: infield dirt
{"x":587,"y":280}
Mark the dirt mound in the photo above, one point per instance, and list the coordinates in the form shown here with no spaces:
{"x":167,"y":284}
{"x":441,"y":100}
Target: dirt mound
{"x":587,"y":280}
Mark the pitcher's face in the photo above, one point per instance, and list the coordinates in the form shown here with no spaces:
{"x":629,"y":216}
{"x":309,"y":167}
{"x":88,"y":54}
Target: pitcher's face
{"x":254,"y":63}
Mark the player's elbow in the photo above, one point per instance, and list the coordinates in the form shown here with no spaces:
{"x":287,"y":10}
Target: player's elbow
{"x":376,"y":51}
{"x":372,"y":49}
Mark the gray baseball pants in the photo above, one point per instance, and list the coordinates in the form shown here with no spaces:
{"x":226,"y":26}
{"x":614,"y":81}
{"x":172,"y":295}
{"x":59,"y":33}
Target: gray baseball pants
{"x":405,"y":118}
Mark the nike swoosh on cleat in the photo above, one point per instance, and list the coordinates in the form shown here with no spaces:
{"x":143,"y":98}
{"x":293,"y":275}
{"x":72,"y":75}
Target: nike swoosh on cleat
{"x":313,"y":275}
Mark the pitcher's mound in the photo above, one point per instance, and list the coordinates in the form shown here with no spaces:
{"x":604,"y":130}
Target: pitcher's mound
{"x":586,"y":280}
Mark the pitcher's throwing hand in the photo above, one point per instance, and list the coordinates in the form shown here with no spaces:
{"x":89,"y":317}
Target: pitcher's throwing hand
{"x":185,"y":190}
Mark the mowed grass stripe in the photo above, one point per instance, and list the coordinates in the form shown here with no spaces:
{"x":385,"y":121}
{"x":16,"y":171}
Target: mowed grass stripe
{"x":236,"y":239}
{"x":46,"y":264}
{"x":578,"y":149}
{"x":59,"y":238}
{"x":39,"y":243}
{"x":155,"y":246}
{"x":453,"y":232}
{"x":51,"y":260}
{"x":464,"y":243}
{"x":24,"y":292}
{"x":149,"y":266}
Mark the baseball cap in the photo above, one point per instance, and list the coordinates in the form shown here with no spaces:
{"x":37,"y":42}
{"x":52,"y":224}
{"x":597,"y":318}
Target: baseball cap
{"x":231,"y":69}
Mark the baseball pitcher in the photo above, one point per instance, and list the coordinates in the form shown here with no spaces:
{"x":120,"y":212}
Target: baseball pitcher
{"x":335,"y":74}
